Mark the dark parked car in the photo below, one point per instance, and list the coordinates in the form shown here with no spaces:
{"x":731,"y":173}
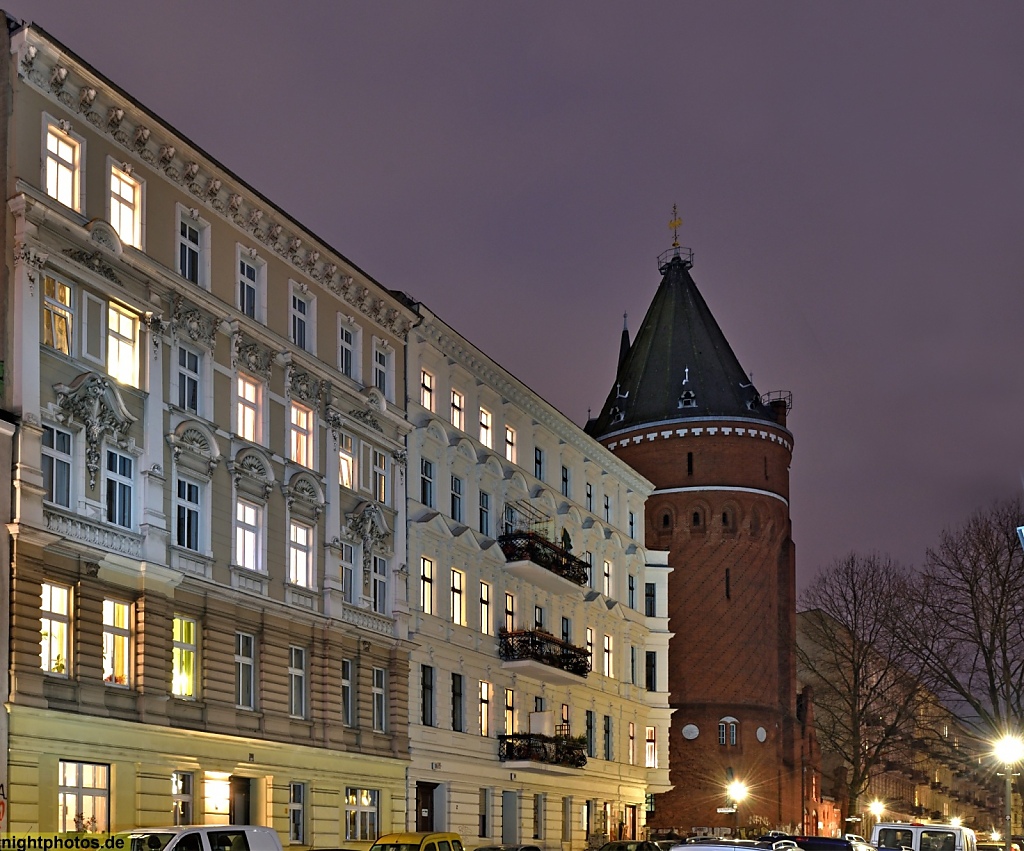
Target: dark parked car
{"x":508,"y":848}
{"x":629,"y":845}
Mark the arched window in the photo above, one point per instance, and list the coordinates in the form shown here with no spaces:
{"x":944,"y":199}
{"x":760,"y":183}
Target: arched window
{"x":728,"y":731}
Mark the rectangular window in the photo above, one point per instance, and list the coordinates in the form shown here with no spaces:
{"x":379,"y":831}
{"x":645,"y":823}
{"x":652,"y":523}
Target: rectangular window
{"x":249,"y":536}
{"x":565,"y":480}
{"x":607,"y":509}
{"x":186,"y":510}
{"x":56,"y":464}
{"x":484,"y":808}
{"x":361,"y":814}
{"x":83,"y":797}
{"x":426,"y":390}
{"x":126,"y":206}
{"x":300,"y":319}
{"x":589,"y":500}
{"x":346,"y":347}
{"x":631,"y":750}
{"x":300,"y":434}
{"x":485,"y":608}
{"x":588,"y":560}
{"x":181,"y":797}
{"x":184,"y":658}
{"x":381,"y":368}
{"x":650,"y":599}
{"x":606,"y":585}
{"x":120,"y":480}
{"x":510,"y":711}
{"x":591,"y":733}
{"x":590,"y":647}
{"x":55,"y":629}
{"x":538,"y":617}
{"x":458,"y":410}
{"x":379,"y":600}
{"x":458,"y":704}
{"x":510,"y":612}
{"x":538,"y":816}
{"x":458,"y":599}
{"x":189,"y":230}
{"x":245,"y":670}
{"x":117,"y":642}
{"x":63,"y":167}
{"x":379,"y":685}
{"x":485,"y":513}
{"x":427,"y":482}
{"x":296,"y":813}
{"x":632,"y":525}
{"x":380,"y":477}
{"x":510,"y":444}
{"x":122,"y":358}
{"x":300,"y":554}
{"x":346,"y":461}
{"x":58,"y":315}
{"x":297,"y":682}
{"x":538,"y":463}
{"x":486,"y":438}
{"x":347,"y":707}
{"x":566,"y":630}
{"x":456,"y":513}
{"x":651,"y":670}
{"x":631,"y":591}
{"x":608,"y":737}
{"x":427,"y":586}
{"x":484,"y":706}
{"x":651,"y":748}
{"x":347,"y":572}
{"x":248,"y":288}
{"x":249,"y":420}
{"x":188,"y":379}
{"x":632,"y":665}
{"x":608,"y":667}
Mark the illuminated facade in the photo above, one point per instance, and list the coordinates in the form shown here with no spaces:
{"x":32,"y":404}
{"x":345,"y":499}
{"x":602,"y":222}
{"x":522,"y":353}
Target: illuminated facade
{"x":207,"y":602}
{"x":538,"y":620}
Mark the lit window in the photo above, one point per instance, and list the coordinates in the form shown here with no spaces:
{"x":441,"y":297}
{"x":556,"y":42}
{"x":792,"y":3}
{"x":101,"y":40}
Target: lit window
{"x":631,"y":752}
{"x":426,"y":390}
{"x":56,"y":464}
{"x":458,"y":599}
{"x":192,"y":234}
{"x":485,"y":708}
{"x":346,"y":461}
{"x":186,"y":508}
{"x":58,"y":315}
{"x":427,"y":586}
{"x":347,"y":713}
{"x":300,"y":554}
{"x":188,"y":379}
{"x":120,"y":481}
{"x":651,"y":749}
{"x":55,"y":628}
{"x":126,"y":206}
{"x":296,"y":813}
{"x":379,"y":685}
{"x":380,"y":477}
{"x":510,"y":444}
{"x":297,"y":682}
{"x":458,"y":410}
{"x":248,"y":426}
{"x":117,"y":638}
{"x":181,"y":797}
{"x":485,"y":428}
{"x":607,"y":579}
{"x":510,"y":711}
{"x":122,"y":359}
{"x":245,"y":670}
{"x":379,"y":588}
{"x":250,"y":287}
{"x":63,"y":167}
{"x":249,"y":536}
{"x":485,"y":608}
{"x":510,"y":612}
{"x":608,"y":665}
{"x":361,"y":813}
{"x":590,"y":647}
{"x":300,"y":434}
{"x":83,"y":797}
{"x":184,"y":659}
{"x":456,"y":512}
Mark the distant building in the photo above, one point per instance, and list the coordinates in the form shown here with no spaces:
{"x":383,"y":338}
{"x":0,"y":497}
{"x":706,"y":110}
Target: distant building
{"x":684,"y":413}
{"x":538,"y":620}
{"x":207,"y":610}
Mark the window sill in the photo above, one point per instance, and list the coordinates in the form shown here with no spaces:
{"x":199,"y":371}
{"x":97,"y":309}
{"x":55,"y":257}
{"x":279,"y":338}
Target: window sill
{"x":249,"y":580}
{"x":190,"y":561}
{"x":299,"y":595}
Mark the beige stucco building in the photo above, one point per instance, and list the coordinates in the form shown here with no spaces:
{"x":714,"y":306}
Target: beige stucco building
{"x":207,"y":612}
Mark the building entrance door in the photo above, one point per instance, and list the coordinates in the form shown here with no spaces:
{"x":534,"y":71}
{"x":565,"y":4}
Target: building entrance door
{"x":238,"y":808}
{"x":425,"y":805}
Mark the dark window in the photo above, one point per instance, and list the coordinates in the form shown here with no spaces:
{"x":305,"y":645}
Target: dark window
{"x":689,"y":463}
{"x":728,"y":588}
{"x":651,"y":671}
{"x":696,"y":518}
{"x":427,"y":695}
{"x":666,"y":521}
{"x":458,"y":720}
{"x":650,"y":599}
{"x":591,"y":744}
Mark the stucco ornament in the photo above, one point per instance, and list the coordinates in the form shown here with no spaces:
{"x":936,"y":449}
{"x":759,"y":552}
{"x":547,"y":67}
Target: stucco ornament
{"x":367,"y":523}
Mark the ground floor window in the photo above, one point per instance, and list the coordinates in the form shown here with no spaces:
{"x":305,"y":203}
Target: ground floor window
{"x":83,"y":797}
{"x":181,"y":797}
{"x":361,"y":813}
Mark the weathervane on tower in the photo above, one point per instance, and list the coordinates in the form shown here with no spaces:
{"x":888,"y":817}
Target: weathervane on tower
{"x":675,"y":253}
{"x":674,"y":224}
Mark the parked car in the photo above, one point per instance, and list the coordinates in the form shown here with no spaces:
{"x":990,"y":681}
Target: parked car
{"x":193,"y":838}
{"x":923,"y":837}
{"x":421,"y":841}
{"x":509,"y":848}
{"x":629,"y":845}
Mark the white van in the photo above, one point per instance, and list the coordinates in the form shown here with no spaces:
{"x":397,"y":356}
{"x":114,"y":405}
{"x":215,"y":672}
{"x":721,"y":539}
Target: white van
{"x":201,"y":838}
{"x":923,"y":837}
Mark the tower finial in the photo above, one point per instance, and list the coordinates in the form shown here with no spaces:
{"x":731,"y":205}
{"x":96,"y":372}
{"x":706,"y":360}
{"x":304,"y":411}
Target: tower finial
{"x":674,"y":224}
{"x":625,"y":327}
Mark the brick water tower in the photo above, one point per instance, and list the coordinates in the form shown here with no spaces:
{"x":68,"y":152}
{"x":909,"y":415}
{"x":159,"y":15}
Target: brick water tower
{"x":684,"y":413}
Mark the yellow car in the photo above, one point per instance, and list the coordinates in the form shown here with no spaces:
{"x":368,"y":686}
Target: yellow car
{"x":418,"y":842}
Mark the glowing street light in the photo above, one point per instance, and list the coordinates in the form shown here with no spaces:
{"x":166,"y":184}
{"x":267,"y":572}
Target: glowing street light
{"x":737,"y":791}
{"x":876,"y":808}
{"x":956,"y":821}
{"x":1009,"y":750}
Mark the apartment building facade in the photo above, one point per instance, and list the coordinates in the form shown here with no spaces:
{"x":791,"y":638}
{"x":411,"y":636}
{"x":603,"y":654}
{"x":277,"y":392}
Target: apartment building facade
{"x":207,"y":609}
{"x":538,"y":680}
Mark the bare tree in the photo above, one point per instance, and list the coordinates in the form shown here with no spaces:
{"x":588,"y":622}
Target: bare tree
{"x":866,"y":696}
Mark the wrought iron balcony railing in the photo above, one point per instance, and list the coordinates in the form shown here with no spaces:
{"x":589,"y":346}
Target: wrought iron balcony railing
{"x":543,"y":647}
{"x":529,"y":546}
{"x":565,"y":751}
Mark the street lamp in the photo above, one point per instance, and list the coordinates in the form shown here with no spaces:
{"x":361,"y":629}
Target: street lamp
{"x":737,"y":792}
{"x":1009,"y":750}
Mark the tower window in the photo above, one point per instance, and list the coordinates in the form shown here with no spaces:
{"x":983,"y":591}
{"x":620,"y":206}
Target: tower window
{"x":666,"y":521}
{"x":689,"y":463}
{"x":696,"y":518}
{"x":728,"y":585}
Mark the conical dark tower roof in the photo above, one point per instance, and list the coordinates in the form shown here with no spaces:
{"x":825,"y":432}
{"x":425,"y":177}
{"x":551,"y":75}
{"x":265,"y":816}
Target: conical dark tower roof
{"x":680,"y":366}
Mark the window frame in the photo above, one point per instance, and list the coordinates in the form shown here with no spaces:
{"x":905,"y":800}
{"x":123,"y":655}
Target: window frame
{"x":379,"y":585}
{"x":121,"y":487}
{"x":245,"y":671}
{"x":426,"y":585}
{"x":427,"y":714}
{"x":378,"y":686}
{"x":256,"y":530}
{"x":362,"y":814}
{"x":457,"y":410}
{"x":79,"y":822}
{"x":55,"y":664}
{"x":485,"y":608}
{"x":456,"y":499}
{"x":302,"y":322}
{"x":248,"y":258}
{"x":484,"y":707}
{"x":184,"y":658}
{"x":246,"y":409}
{"x":484,"y":503}
{"x":458,"y":597}
{"x":347,"y":461}
{"x":296,"y":813}
{"x":379,"y":476}
{"x":54,"y":308}
{"x":189,"y":525}
{"x":187,"y":378}
{"x":427,"y":390}
{"x":190,"y":218}
{"x":53,"y":460}
{"x":486,"y":422}
{"x":117,"y":643}
{"x":427,"y":482}
{"x":304,"y":550}
{"x":122,"y":350}
{"x":347,"y":694}
{"x":302,"y":438}
{"x":348,"y":326}
{"x":182,"y":800}
{"x":298,"y":683}
{"x":511,"y":450}
{"x":125,"y":173}
{"x":62,"y":132}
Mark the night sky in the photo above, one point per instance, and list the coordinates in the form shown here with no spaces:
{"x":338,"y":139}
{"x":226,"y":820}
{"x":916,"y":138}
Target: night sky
{"x":850,"y":177}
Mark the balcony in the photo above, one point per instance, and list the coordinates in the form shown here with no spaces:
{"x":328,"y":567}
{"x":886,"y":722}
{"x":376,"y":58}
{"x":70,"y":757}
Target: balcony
{"x":542,"y":656}
{"x":535,"y":559}
{"x":547,"y":753}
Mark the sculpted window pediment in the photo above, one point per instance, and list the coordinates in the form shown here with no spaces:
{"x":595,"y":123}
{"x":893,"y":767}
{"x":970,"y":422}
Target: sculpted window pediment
{"x":304,"y":496}
{"x":252,"y":474}
{"x":194,"y":448}
{"x":103,"y":234}
{"x":375,"y":400}
{"x":191,"y":322}
{"x":94,"y":403}
{"x":368,"y":525}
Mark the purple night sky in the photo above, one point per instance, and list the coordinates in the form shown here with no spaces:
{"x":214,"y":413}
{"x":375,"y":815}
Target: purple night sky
{"x":850,"y":177}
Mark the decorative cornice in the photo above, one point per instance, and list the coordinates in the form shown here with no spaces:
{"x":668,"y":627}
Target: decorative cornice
{"x":194,"y":323}
{"x":44,"y":66}
{"x":302,"y":493}
{"x":366,"y":418}
{"x":94,"y":261}
{"x":303,"y":386}
{"x":252,"y":357}
{"x":368,"y":525}
{"x":203,"y":452}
